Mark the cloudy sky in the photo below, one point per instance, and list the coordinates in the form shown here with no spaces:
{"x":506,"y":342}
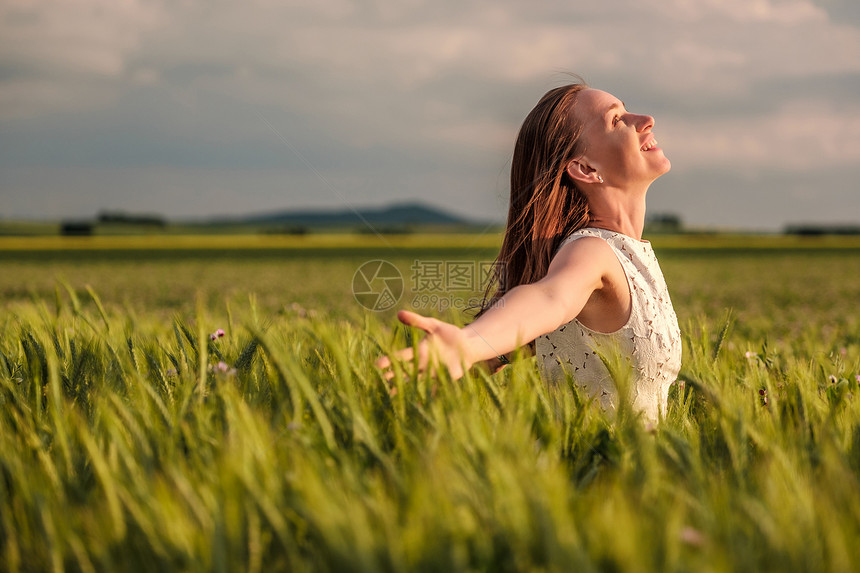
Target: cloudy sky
{"x":191,"y":108}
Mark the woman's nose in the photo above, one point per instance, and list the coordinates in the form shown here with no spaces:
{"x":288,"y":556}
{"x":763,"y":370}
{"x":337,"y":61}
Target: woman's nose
{"x":645,"y":122}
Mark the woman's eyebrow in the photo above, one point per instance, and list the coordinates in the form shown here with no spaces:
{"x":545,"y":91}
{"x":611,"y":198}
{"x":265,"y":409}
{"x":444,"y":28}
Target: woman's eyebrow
{"x":611,"y":108}
{"x":615,"y":105}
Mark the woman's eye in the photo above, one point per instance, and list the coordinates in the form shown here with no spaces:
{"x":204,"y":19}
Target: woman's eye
{"x":615,"y":120}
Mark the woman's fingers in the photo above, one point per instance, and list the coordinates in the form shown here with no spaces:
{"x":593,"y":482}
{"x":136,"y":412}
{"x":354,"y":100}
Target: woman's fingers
{"x":442,"y":341}
{"x":405,"y":355}
{"x":385,"y":362}
{"x":410,"y":318}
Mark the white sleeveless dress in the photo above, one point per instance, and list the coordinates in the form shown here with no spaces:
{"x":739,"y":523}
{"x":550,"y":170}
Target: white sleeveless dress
{"x":651,"y":339}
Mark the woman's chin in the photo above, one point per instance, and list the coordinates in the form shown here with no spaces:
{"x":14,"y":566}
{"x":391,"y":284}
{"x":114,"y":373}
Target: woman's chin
{"x":662,"y":171}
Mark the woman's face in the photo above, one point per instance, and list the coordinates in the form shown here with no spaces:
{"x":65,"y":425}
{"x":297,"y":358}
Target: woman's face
{"x":619,"y":145}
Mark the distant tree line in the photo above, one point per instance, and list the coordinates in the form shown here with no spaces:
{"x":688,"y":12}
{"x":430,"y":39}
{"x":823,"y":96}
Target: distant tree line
{"x":812,"y":229}
{"x":664,"y":223}
{"x":76,"y":228}
{"x":122,"y":218}
{"x":82,"y":228}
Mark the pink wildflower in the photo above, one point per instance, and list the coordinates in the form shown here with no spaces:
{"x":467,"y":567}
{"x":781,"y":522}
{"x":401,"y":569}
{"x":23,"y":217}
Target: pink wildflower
{"x":298,"y":309}
{"x":750,"y":354}
{"x":222,"y":367}
{"x":692,"y":536}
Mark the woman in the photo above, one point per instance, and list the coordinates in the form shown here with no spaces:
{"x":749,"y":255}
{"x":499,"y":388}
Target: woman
{"x":573,"y":274}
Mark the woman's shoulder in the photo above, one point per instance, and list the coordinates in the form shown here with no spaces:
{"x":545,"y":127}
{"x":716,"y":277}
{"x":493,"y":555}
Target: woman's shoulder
{"x":592,"y":234}
{"x":615,"y":239}
{"x":584,"y":250}
{"x":580,"y":234}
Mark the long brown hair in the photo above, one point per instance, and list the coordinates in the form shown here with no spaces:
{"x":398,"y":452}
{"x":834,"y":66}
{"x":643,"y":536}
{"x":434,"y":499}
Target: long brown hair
{"x":546,"y":205}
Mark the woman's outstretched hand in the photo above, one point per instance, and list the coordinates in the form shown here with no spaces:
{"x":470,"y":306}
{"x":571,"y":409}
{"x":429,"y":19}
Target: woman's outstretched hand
{"x":444,"y":341}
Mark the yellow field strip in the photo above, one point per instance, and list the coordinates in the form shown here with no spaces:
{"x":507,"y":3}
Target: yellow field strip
{"x":754,"y":242}
{"x":427,"y":241}
{"x":240,"y":242}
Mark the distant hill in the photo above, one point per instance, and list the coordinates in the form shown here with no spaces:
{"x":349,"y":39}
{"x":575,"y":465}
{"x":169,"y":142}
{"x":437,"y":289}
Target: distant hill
{"x":400,"y":214}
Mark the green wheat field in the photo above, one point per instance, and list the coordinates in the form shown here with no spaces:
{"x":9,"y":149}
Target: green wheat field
{"x":211,"y":404}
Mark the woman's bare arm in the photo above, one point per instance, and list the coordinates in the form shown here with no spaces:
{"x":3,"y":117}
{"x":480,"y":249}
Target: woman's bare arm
{"x":524,"y":313}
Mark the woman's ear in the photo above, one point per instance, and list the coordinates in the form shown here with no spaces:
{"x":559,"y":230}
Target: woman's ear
{"x":581,"y":171}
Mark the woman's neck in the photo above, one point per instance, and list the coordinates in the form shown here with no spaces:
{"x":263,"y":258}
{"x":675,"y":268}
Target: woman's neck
{"x":618,"y":211}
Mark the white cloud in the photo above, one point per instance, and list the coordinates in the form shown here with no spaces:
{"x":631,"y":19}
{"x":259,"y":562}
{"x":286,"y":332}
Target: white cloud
{"x":798,"y":136}
{"x":783,"y":12}
{"x":433,"y":81}
{"x":65,"y":54}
